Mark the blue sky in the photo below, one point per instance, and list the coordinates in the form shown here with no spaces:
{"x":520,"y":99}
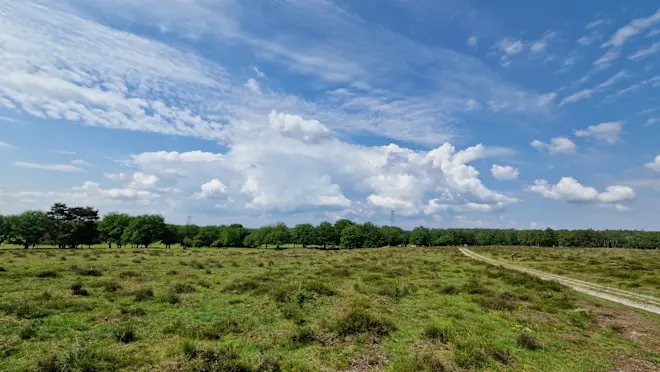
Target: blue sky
{"x":452,"y":113}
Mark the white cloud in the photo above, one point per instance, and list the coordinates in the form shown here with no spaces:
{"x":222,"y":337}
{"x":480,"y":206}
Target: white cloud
{"x":606,"y":58}
{"x":511,"y":47}
{"x":576,"y":97}
{"x":4,"y":144}
{"x":142,"y":181}
{"x":538,"y":46}
{"x":81,"y":163}
{"x":655,"y":164}
{"x":596,"y":23}
{"x":211,"y":189}
{"x":61,"y":152}
{"x":604,"y":132}
{"x":652,"y":121}
{"x":569,"y":189}
{"x":472,"y":41}
{"x":292,"y":168}
{"x":253,"y":85}
{"x":654,"y":32}
{"x":294,"y":126}
{"x":631,"y":29}
{"x":504,"y":173}
{"x":547,"y":99}
{"x":643,"y":53}
{"x":589,"y":39}
{"x":119,"y":177}
{"x":260,"y":74}
{"x":50,"y":167}
{"x":614,"y":79}
{"x":557,"y":145}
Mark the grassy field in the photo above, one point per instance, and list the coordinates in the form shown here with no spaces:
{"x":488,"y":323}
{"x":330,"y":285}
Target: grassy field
{"x":405,"y":309}
{"x":629,"y":269}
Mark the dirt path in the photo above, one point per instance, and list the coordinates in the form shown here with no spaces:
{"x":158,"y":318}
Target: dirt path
{"x":639,"y":301}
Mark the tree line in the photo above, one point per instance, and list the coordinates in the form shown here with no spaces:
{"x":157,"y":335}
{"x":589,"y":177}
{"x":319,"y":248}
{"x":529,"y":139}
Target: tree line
{"x":72,"y":227}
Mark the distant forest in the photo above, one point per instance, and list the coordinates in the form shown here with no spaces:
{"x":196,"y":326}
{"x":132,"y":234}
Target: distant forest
{"x":72,"y":227}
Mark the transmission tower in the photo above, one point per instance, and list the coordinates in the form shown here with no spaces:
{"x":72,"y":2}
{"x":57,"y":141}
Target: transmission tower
{"x":392,"y":218}
{"x":189,"y":220}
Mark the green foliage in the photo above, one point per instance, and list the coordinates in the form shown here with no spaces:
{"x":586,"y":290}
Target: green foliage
{"x":48,"y":274}
{"x":304,"y":234}
{"x":528,"y":341}
{"x":124,"y":335}
{"x":420,"y":236}
{"x":28,"y":228}
{"x":77,"y":289}
{"x":112,"y":226}
{"x":352,"y":237}
{"x":143,"y":294}
{"x":144,"y":230}
{"x":360,"y":321}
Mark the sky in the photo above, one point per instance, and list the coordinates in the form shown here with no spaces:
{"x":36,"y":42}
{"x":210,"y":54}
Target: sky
{"x":451,"y":113}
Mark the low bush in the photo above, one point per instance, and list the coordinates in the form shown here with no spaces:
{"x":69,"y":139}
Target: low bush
{"x":302,"y":336}
{"x":183,"y":288}
{"x":77,"y":289}
{"x":79,"y":358}
{"x":143,"y":294}
{"x":135,"y":311}
{"x":450,"y":290}
{"x":48,"y":274}
{"x":528,"y":341}
{"x":360,"y":321}
{"x":129,"y":274}
{"x":436,"y":332}
{"x":124,"y":335}
{"x":171,"y":298}
{"x":28,"y":331}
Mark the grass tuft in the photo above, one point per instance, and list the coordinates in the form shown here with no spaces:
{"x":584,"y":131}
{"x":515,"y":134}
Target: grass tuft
{"x":360,"y":321}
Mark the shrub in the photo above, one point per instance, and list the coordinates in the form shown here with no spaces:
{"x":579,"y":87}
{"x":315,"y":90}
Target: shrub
{"x":242,"y":286}
{"x":78,"y":290}
{"x":205,"y":284}
{"x":124,"y":335}
{"x":2,"y":269}
{"x":425,"y":362}
{"x":496,"y":303}
{"x":183,"y":288}
{"x":528,"y":341}
{"x":217,"y":360}
{"x":474,"y":286}
{"x":89,"y":272}
{"x":189,"y":349}
{"x":24,"y":310}
{"x":171,"y":298}
{"x":359,"y":321}
{"x":196,"y":265}
{"x":48,"y":274}
{"x":435,"y":332}
{"x":137,"y":311}
{"x":111,"y":286}
{"x":143,"y":294}
{"x":302,"y":336}
{"x":79,"y":358}
{"x":171,"y":272}
{"x":27,"y":332}
{"x":450,"y":290}
{"x":128,"y":274}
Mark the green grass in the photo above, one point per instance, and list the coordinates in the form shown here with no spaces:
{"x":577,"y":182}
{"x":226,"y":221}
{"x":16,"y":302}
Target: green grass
{"x":629,"y":269}
{"x":405,"y":309}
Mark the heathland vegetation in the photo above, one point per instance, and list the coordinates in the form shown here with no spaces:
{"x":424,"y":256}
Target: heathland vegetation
{"x":71,"y":227}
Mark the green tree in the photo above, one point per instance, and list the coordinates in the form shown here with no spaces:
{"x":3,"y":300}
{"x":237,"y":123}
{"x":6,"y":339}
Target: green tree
{"x":231,"y":236}
{"x":112,"y":227}
{"x":206,"y":236}
{"x":84,"y":226}
{"x":373,"y":238}
{"x":352,"y":237}
{"x":420,"y":236}
{"x":29,"y":228}
{"x":326,"y":234}
{"x":170,"y":235}
{"x":304,"y":234}
{"x":5,"y":229}
{"x":340,"y":225}
{"x":145,"y":229}
{"x":279,"y":235}
{"x":60,"y":228}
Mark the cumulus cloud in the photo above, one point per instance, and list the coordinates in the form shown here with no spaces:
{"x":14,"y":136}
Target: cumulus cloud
{"x":294,"y":126}
{"x":142,"y":181}
{"x":570,"y":190}
{"x":50,"y":167}
{"x":504,"y":173}
{"x":633,"y":28}
{"x":655,"y":164}
{"x":253,"y":85}
{"x":297,"y":165}
{"x":212,"y":189}
{"x":604,"y":132}
{"x":557,"y":145}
